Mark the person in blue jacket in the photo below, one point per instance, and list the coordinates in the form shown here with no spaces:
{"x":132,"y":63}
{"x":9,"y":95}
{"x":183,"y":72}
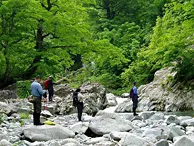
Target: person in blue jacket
{"x":135,"y":98}
{"x":37,"y":93}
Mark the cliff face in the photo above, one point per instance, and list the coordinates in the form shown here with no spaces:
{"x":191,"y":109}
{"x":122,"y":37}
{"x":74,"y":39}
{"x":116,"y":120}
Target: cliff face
{"x":160,"y":95}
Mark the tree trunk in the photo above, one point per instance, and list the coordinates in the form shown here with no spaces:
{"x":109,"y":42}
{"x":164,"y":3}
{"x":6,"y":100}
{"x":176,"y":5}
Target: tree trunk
{"x":39,"y":46}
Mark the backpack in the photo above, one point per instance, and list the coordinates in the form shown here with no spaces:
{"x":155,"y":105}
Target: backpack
{"x":46,"y":84}
{"x":131,"y":93}
{"x":75,"y":98}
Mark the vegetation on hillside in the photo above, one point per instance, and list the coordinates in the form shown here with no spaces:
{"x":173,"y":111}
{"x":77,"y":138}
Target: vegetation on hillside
{"x":111,"y":42}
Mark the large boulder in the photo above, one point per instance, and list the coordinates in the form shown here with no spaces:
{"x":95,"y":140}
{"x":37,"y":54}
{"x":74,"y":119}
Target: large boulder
{"x":162,"y":95}
{"x":133,"y":140}
{"x":62,"y":90}
{"x":106,"y":123}
{"x":45,"y":133}
{"x":94,"y":98}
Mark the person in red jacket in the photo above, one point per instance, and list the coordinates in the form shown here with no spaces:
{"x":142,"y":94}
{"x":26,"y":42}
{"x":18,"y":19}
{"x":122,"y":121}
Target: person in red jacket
{"x":50,"y":88}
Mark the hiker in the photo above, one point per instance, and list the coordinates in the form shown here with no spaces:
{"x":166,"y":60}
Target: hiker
{"x":37,"y":93}
{"x":78,"y":102}
{"x":48,"y":84}
{"x":134,"y":96}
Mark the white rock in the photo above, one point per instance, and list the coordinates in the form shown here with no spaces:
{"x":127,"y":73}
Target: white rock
{"x":80,"y":127}
{"x":125,"y":95}
{"x":157,"y":116}
{"x":46,"y":113}
{"x":133,"y":140}
{"x":189,"y":122}
{"x":111,"y":98}
{"x":175,"y":132}
{"x":93,"y":141}
{"x":104,"y":124}
{"x":118,"y":135}
{"x":147,"y":114}
{"x":70,"y":142}
{"x":3,"y":134}
{"x":4,"y":142}
{"x":152,"y":132}
{"x":46,"y":132}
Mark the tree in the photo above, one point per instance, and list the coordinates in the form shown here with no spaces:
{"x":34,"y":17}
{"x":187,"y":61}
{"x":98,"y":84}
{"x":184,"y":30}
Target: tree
{"x":40,"y":35}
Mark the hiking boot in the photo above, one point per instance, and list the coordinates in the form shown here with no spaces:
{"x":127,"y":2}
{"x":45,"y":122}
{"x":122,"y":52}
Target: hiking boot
{"x":135,"y":114}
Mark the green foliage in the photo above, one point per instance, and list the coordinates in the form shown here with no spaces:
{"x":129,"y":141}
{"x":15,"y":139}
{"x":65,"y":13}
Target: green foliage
{"x":23,"y":89}
{"x":113,"y":42}
{"x":24,"y":115}
{"x":185,"y":66}
{"x":172,"y":38}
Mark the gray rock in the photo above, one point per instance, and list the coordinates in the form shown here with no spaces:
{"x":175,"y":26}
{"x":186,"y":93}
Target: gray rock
{"x":80,"y":127}
{"x":160,"y":95}
{"x":172,"y":119}
{"x":4,"y":142}
{"x":118,"y":135}
{"x":45,"y":133}
{"x":152,"y":132}
{"x":111,"y":98}
{"x":94,"y":96}
{"x":3,"y":134}
{"x":162,"y":142}
{"x":133,"y":140}
{"x":7,"y":94}
{"x":147,"y":114}
{"x":104,"y":124}
{"x":190,"y":129}
{"x":174,"y":132}
{"x":69,"y":142}
{"x":157,"y":116}
{"x":189,"y":122}
{"x":184,"y":141}
{"x":126,"y":106}
{"x":125,"y":95}
{"x":183,"y":118}
{"x":96,"y":140}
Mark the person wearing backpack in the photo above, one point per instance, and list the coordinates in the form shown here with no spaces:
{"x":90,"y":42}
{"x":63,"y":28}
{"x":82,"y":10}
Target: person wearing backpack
{"x":48,"y":84}
{"x":78,"y":103}
{"x":134,"y":97}
{"x":37,"y":94}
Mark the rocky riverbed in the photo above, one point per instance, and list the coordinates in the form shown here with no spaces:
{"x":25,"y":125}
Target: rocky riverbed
{"x":106,"y":128}
{"x":107,"y":120}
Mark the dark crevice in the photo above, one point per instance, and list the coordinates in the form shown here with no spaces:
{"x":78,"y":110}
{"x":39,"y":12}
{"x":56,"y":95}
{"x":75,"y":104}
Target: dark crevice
{"x":90,"y":133}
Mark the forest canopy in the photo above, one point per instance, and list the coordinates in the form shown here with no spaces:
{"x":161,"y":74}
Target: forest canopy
{"x":107,"y":41}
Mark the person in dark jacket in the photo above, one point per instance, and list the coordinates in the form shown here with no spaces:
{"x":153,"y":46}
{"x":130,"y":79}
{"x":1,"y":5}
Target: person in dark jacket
{"x":135,"y":99}
{"x":79,"y":103}
{"x":50,"y":88}
{"x":37,"y":93}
